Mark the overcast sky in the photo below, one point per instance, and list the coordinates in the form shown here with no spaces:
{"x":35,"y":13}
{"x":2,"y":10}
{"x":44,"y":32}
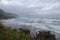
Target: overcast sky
{"x":41,"y":7}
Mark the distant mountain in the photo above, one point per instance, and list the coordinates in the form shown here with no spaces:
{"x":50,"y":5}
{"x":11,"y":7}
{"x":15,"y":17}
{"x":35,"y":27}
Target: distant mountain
{"x":5,"y":15}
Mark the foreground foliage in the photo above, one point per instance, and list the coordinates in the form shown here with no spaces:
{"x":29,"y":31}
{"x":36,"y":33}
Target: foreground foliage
{"x":23,"y":34}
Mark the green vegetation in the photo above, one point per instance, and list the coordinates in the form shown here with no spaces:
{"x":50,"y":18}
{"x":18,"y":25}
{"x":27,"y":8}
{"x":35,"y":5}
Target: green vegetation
{"x":13,"y":34}
{"x":23,"y":34}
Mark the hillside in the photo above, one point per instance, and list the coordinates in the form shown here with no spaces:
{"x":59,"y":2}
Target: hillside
{"x":5,"y":15}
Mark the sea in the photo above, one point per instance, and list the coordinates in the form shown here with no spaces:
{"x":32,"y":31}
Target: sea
{"x":52,"y":24}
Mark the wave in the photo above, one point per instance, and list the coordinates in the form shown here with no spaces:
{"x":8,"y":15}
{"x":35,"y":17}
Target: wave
{"x":42,"y":23}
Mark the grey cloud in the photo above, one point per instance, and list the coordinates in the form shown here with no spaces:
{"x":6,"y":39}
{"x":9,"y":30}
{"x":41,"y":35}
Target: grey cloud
{"x":33,"y":7}
{"x":18,"y":10}
{"x":50,"y":0}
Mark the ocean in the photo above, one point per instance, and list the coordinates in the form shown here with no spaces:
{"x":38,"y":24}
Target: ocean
{"x":52,"y":24}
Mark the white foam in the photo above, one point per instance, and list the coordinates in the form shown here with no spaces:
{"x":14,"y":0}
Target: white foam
{"x":42,"y":23}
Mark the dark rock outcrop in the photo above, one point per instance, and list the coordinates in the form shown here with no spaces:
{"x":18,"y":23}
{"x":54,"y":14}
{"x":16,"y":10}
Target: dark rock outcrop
{"x":45,"y":35}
